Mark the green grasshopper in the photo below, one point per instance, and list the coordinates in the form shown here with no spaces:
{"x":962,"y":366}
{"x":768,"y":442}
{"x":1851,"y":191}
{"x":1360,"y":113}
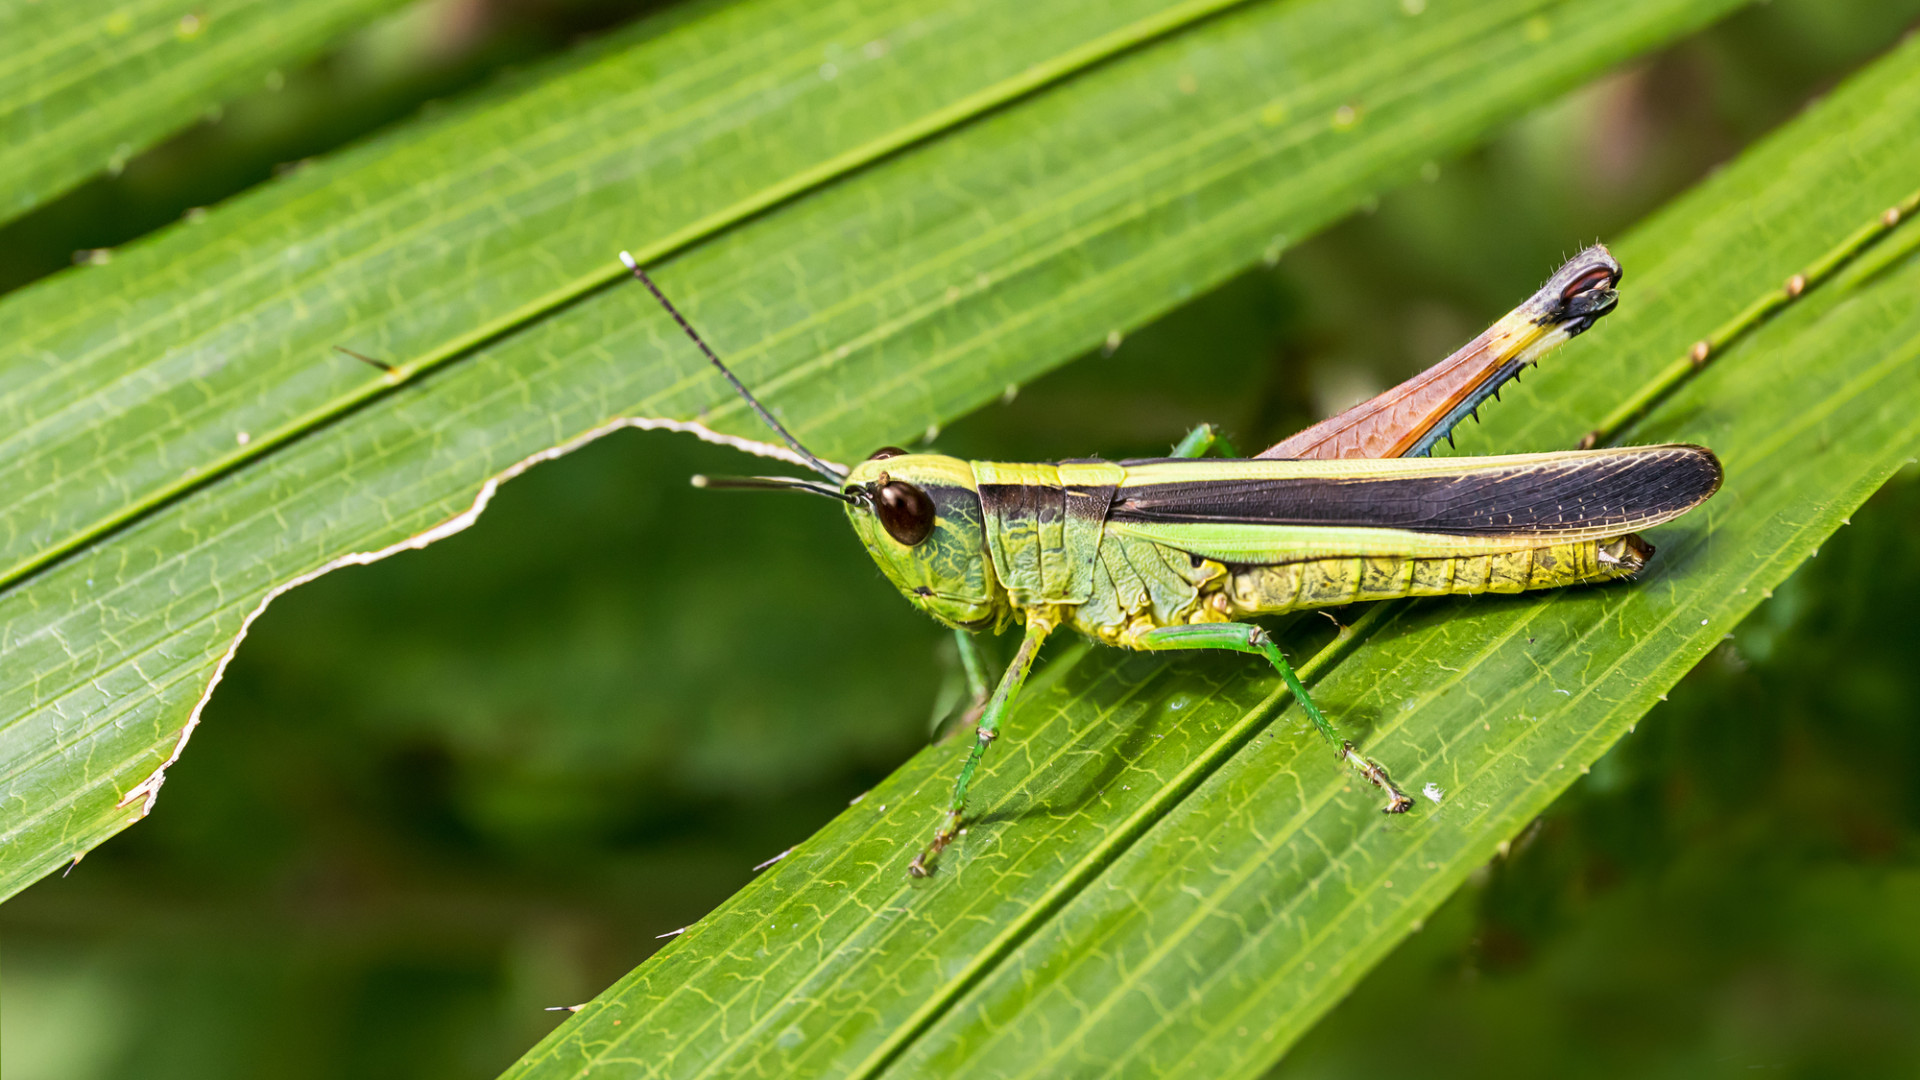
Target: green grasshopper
{"x":1180,"y":552}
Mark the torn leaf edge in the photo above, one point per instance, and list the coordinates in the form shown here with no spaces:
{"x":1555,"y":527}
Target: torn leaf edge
{"x":147,"y":791}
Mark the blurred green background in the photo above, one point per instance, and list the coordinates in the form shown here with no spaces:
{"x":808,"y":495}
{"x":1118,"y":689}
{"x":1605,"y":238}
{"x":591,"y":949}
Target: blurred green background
{"x":438,"y":795}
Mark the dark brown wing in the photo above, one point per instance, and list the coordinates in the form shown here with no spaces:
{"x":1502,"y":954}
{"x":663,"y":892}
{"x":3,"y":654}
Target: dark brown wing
{"x":1623,"y":490}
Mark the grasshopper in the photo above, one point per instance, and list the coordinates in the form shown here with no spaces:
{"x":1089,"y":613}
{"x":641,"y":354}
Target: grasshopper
{"x":1182,"y":552}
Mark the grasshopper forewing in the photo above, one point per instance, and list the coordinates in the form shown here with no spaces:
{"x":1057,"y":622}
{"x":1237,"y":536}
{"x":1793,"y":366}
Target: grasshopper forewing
{"x":1182,"y":552}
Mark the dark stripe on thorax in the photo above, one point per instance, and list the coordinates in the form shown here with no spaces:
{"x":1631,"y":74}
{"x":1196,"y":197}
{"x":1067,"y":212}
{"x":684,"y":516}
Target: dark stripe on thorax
{"x":1042,"y":503}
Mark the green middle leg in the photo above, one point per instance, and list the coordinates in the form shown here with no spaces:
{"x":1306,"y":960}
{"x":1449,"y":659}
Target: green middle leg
{"x":1248,"y":638}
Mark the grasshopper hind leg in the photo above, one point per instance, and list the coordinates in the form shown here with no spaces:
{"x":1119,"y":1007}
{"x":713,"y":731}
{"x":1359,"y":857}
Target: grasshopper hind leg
{"x":1248,"y":638}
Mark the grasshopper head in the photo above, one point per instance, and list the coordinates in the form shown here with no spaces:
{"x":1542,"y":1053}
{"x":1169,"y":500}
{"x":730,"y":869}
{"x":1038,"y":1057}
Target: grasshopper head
{"x":919,"y":517}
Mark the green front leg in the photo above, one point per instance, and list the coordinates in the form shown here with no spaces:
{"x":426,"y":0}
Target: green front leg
{"x":975,"y":667}
{"x":1016,"y":674}
{"x":1248,"y":638}
{"x":959,"y":710}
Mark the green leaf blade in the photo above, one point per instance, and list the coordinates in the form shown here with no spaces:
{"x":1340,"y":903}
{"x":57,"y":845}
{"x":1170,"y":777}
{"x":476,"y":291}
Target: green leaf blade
{"x":1219,"y":939}
{"x":84,"y":84}
{"x":1250,"y":905}
{"x":866,"y":312}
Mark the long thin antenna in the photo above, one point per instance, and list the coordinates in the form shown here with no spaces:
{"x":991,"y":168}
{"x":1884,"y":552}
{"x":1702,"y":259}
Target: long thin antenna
{"x":779,"y":483}
{"x":814,"y":463}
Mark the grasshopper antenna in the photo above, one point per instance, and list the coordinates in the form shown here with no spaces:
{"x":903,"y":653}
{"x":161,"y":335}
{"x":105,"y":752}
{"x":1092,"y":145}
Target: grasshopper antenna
{"x":813,"y":462}
{"x":779,"y":483}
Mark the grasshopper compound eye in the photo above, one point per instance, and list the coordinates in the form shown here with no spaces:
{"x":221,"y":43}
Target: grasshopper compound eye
{"x":885,"y":452}
{"x":905,"y":511}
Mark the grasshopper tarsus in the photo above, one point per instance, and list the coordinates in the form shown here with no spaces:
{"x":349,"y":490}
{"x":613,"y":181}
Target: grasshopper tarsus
{"x":1398,"y":802}
{"x":922,"y":864}
{"x":1341,"y":631}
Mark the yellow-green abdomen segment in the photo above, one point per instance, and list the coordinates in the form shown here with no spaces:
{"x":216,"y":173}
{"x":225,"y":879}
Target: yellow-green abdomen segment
{"x":1321,"y":583}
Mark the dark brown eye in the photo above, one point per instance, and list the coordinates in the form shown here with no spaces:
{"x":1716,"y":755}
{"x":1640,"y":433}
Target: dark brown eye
{"x":885,"y":452}
{"x":905,"y":511}
{"x":1600,"y":277}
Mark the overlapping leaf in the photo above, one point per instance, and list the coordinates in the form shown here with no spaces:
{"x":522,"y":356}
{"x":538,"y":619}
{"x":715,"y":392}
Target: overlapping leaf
{"x":85,"y":84}
{"x":1166,"y":875}
{"x":180,"y":441}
